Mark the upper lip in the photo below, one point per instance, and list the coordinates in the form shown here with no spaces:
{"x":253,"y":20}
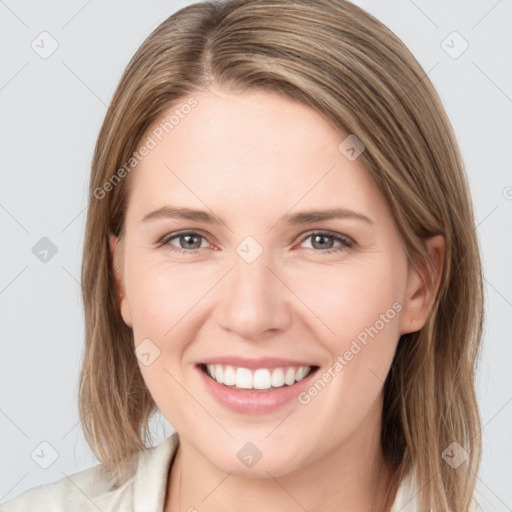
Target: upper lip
{"x":255,"y":363}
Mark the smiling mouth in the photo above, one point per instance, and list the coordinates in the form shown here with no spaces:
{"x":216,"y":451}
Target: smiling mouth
{"x":261,"y":379}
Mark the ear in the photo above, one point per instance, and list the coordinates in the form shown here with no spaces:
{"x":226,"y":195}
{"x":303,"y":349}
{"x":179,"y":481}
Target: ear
{"x":422,"y":288}
{"x":117,"y":261}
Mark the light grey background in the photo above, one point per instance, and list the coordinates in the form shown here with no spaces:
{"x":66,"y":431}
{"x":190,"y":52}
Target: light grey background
{"x":51,"y":110}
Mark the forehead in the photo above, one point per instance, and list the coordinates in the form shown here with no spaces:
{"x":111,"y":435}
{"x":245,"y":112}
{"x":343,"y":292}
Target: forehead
{"x":253,"y":151}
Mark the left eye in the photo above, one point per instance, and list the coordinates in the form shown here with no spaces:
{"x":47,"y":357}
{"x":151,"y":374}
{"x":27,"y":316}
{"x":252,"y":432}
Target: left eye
{"x":317,"y":240}
{"x":191,"y":240}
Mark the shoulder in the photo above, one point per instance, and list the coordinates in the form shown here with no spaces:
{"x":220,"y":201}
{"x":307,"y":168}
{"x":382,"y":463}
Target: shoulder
{"x":79,"y":491}
{"x":407,"y":497}
{"x":96,"y":489}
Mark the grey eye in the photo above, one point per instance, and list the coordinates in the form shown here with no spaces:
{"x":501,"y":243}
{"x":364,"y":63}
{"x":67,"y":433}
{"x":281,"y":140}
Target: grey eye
{"x":322,"y":241}
{"x":325,"y":241}
{"x":186,"y":241}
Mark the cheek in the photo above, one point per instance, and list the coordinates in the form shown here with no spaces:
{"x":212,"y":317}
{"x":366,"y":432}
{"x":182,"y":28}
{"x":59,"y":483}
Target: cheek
{"x":162,"y":299}
{"x":161,"y":295}
{"x":359,"y":307}
{"x":349,"y":300}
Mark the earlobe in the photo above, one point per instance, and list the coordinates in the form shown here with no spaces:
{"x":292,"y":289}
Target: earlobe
{"x":115,"y":250}
{"x":422,"y":287}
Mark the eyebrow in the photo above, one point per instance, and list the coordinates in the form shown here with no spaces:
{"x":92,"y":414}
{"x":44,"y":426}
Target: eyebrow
{"x":305,"y":217}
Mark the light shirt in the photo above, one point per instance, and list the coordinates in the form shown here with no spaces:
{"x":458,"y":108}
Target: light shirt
{"x":92,"y":490}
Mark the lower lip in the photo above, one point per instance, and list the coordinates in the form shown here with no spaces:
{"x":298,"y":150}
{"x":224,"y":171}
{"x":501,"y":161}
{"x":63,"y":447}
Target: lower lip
{"x":254,"y":402}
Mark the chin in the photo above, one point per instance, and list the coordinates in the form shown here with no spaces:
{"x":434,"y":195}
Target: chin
{"x":248,"y":461}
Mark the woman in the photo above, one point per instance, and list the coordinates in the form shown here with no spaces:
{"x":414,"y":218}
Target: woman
{"x":280,"y":256}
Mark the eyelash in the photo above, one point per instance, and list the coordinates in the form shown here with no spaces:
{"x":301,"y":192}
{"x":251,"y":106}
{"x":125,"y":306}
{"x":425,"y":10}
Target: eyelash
{"x":345,"y":241}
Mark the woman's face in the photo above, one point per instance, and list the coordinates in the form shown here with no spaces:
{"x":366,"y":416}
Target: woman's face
{"x":258,"y":287}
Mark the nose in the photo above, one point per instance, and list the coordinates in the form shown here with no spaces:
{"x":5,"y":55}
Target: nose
{"x":255,"y":302}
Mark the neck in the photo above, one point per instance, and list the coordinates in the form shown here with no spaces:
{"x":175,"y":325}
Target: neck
{"x":352,"y":478}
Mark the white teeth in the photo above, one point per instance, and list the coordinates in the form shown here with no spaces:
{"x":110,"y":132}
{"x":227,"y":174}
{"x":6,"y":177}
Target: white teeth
{"x":219,"y":374}
{"x":289,"y":376}
{"x":229,"y":376}
{"x":243,"y":378}
{"x":262,"y":378}
{"x":301,"y":373}
{"x":277,"y":379}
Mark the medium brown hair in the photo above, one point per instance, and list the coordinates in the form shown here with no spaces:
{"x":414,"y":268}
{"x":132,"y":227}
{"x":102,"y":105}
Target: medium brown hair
{"x":341,"y":61}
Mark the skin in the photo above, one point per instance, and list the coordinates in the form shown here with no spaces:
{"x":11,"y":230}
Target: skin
{"x":250,"y":158}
